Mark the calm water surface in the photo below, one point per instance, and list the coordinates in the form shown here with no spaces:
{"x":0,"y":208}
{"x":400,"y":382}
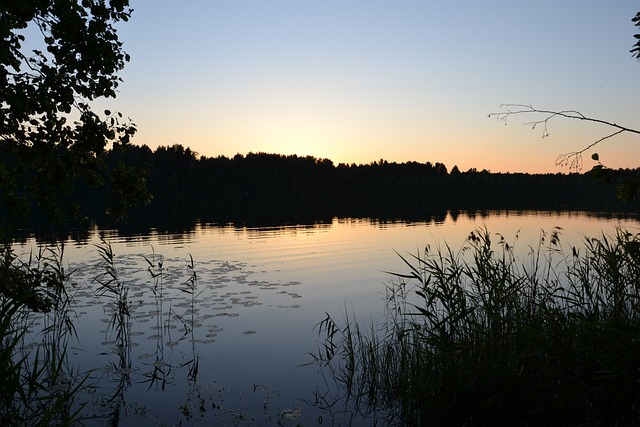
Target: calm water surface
{"x":231,"y":349}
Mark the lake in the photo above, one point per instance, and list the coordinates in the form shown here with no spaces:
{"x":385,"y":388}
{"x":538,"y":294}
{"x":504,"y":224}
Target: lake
{"x":221,"y":332}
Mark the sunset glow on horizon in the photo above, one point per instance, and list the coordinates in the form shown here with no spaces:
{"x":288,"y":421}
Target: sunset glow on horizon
{"x":360,"y":81}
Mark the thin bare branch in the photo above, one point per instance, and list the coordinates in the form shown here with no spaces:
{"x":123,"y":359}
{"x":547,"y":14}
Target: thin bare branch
{"x":572,"y":159}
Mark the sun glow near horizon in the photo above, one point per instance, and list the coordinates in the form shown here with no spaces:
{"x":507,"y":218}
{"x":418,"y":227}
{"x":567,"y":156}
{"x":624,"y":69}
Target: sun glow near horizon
{"x":364,"y":81}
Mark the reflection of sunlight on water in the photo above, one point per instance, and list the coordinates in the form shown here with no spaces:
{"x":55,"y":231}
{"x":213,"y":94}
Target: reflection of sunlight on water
{"x":259,"y":294}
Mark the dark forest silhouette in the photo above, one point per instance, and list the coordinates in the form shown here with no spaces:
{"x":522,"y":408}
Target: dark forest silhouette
{"x":273,"y":189}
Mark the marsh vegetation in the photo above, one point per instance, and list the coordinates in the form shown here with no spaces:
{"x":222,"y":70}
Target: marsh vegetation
{"x":120,"y":333}
{"x":478,"y":336}
{"x":98,"y":344}
{"x":38,"y":387}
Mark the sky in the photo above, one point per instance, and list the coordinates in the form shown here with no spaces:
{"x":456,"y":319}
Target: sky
{"x":357,"y":81}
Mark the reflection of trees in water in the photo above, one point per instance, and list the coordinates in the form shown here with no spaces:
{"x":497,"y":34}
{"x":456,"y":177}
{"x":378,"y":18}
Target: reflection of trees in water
{"x":262,"y":189}
{"x":180,"y":220}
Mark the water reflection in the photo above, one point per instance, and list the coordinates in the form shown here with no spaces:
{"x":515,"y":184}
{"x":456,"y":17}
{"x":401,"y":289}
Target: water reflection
{"x":139,"y":235}
{"x":218,"y":318}
{"x":153,"y":315}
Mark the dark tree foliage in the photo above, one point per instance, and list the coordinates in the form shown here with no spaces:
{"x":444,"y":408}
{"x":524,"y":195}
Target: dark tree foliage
{"x":636,"y":47}
{"x":263,"y":189}
{"x":56,"y":56}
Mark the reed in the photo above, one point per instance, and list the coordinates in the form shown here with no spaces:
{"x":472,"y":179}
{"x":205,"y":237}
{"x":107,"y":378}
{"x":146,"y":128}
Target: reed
{"x":191,"y":287}
{"x":38,"y":387}
{"x":477,"y":336}
{"x":160,"y":370}
{"x":110,"y":285}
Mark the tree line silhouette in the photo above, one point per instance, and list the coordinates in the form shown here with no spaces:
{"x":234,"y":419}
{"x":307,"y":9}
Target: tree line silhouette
{"x":265,"y":188}
{"x":176,"y":172}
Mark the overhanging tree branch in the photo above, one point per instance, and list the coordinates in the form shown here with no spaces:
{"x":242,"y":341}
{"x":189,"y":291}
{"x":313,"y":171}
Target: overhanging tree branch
{"x":51,"y":137}
{"x":627,"y":189}
{"x":572,"y":159}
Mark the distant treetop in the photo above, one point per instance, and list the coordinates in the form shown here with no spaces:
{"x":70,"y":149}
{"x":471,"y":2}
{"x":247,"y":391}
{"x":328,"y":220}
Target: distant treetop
{"x":636,"y":47}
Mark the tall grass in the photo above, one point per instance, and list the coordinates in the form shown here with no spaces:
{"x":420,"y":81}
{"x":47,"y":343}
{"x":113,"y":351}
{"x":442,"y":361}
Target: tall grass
{"x":113,"y":287}
{"x":160,"y":370}
{"x":191,"y":287}
{"x":477,"y":336}
{"x":37,"y":387}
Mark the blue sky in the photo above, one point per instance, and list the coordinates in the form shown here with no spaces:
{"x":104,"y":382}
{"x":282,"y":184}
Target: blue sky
{"x":356,"y":81}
